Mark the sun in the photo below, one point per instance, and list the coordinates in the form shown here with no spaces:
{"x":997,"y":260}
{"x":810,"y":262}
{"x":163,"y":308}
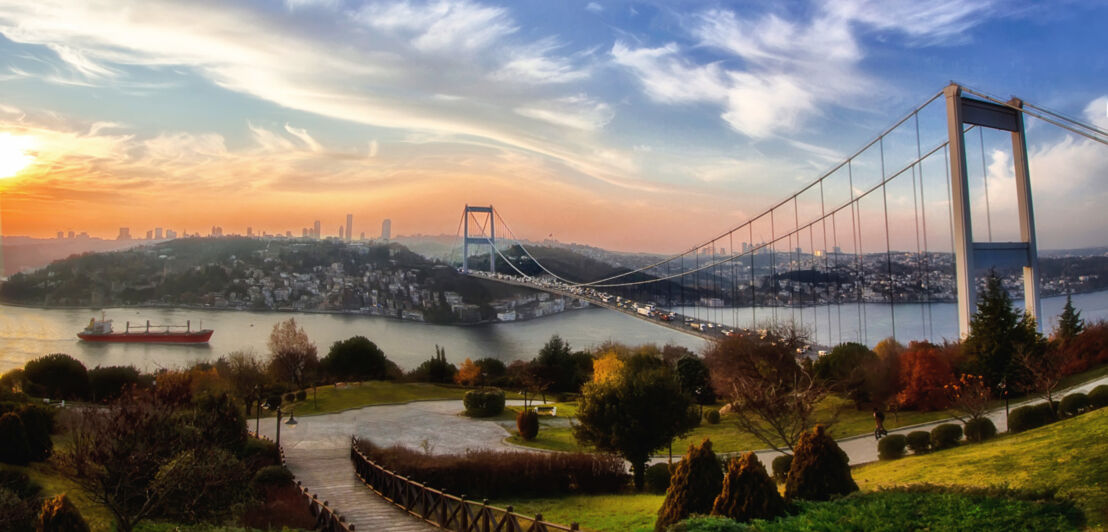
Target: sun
{"x":14,"y":154}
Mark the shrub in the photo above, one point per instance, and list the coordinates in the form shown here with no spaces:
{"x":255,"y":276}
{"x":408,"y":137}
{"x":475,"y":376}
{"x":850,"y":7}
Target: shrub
{"x":38,"y":422}
{"x":1029,"y":417}
{"x":60,"y":515}
{"x":781,"y":466}
{"x":14,"y":448}
{"x":657,"y":478}
{"x":498,"y":474}
{"x":483,"y":403}
{"x":19,"y":503}
{"x":290,"y":397}
{"x":58,"y":376}
{"x":271,"y":476}
{"x":201,"y":485}
{"x":527,"y":423}
{"x":891,"y":447}
{"x":694,"y":486}
{"x":111,"y":382}
{"x":945,"y":436}
{"x":302,"y":395}
{"x":257,"y":453}
{"x":1098,"y":397}
{"x":919,"y":441}
{"x":1074,"y":404}
{"x":820,"y":469}
{"x":748,"y":492}
{"x":708,"y":523}
{"x":712,"y":416}
{"x":980,"y":429}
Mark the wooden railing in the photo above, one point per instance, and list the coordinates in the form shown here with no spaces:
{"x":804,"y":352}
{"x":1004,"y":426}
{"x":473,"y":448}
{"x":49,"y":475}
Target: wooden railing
{"x":326,"y":518}
{"x":441,"y":509}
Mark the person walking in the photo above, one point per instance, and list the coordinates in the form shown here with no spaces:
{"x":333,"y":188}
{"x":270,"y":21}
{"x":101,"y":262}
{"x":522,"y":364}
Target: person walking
{"x":879,"y":421}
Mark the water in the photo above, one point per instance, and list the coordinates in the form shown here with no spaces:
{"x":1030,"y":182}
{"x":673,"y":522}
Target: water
{"x":27,"y":333}
{"x":873,"y":322}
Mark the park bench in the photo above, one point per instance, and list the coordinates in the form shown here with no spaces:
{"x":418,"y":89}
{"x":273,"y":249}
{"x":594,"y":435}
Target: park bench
{"x":546,"y":410}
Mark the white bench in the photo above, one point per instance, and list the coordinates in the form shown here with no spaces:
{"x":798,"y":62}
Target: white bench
{"x":546,"y":410}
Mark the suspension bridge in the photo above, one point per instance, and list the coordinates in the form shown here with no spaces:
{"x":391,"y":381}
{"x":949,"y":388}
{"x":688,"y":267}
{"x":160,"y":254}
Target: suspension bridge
{"x":906,"y":219}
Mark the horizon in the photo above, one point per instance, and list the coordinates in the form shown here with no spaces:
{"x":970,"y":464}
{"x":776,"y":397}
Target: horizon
{"x":630,"y":126}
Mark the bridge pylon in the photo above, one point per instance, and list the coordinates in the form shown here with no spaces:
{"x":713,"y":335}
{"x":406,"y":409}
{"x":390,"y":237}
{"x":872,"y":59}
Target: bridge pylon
{"x":482,"y":240}
{"x":960,"y":111}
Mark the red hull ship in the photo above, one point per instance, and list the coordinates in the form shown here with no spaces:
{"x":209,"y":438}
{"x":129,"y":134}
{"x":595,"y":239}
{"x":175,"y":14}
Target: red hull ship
{"x":101,"y":331}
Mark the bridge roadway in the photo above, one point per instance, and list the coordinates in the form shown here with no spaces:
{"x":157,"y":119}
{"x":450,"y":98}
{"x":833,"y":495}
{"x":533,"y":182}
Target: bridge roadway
{"x":677,"y":324}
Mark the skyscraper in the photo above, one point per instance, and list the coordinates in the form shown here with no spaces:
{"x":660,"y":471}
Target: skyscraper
{"x":386,"y":229}
{"x":349,"y":227}
{"x":315,"y":229}
{"x":157,"y":233}
{"x":341,"y":235}
{"x":124,"y":233}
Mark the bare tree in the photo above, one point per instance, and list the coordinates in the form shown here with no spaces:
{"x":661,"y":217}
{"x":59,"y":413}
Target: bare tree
{"x":1043,"y":371}
{"x":293,"y":355}
{"x":247,"y":377}
{"x":772,"y":397}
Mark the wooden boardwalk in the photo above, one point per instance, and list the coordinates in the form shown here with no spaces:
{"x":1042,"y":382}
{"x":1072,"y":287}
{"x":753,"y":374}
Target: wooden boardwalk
{"x":329,"y":473}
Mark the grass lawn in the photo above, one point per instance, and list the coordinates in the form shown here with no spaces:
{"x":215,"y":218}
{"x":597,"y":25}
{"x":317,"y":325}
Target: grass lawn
{"x":1068,"y":455}
{"x":331,"y":399}
{"x":53,"y":483}
{"x":594,"y":512}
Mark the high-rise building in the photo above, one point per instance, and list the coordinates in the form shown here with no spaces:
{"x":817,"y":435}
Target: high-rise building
{"x":304,"y":232}
{"x":157,"y":233}
{"x":150,"y":235}
{"x":341,"y":236}
{"x":349,"y":227}
{"x":249,"y":231}
{"x":315,"y":229}
{"x":124,"y":234}
{"x":170,"y":234}
{"x":386,"y":229}
{"x":72,"y":234}
{"x":61,"y":235}
{"x":362,"y":237}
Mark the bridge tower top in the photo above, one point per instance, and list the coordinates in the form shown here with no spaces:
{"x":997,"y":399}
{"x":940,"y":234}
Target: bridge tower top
{"x":483,"y":239}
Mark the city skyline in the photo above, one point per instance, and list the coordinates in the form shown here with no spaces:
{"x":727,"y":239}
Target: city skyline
{"x":632,"y":126}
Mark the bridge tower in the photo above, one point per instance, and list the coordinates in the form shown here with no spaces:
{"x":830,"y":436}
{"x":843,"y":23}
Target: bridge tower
{"x":490,"y":241}
{"x":967,"y":253}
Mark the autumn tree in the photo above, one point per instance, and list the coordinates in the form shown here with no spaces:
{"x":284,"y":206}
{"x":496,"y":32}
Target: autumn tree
{"x":635,"y":414}
{"x":293,"y":355}
{"x":924,"y":372}
{"x":772,"y":396}
{"x":468,"y":374}
{"x":968,"y":395}
{"x":246,"y":376}
{"x":606,"y":367}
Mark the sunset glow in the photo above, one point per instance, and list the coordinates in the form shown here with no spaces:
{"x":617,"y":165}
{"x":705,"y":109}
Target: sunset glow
{"x":14,"y":154}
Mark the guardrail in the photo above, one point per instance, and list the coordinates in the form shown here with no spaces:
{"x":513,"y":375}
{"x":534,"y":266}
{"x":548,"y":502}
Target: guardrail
{"x":441,"y":509}
{"x":326,"y":518}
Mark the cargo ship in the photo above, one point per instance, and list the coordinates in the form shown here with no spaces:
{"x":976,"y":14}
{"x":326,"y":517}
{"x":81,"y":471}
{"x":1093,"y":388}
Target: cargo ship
{"x":101,"y":331}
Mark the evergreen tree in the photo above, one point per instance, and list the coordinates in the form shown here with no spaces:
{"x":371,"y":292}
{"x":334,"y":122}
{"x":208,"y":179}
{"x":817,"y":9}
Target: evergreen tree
{"x":694,"y":486}
{"x":997,"y":334}
{"x":1070,"y":323}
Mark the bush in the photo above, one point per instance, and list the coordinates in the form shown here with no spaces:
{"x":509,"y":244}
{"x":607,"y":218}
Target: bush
{"x":271,"y":477}
{"x":290,"y":397}
{"x":712,"y":417}
{"x":57,"y":376}
{"x":257,"y":453}
{"x":109,"y":383}
{"x":483,"y":403}
{"x":38,"y":422}
{"x":1029,"y":417}
{"x":14,"y":448}
{"x":891,"y":447}
{"x":748,"y":492}
{"x":527,"y":423}
{"x":60,"y":515}
{"x":302,"y":395}
{"x":657,"y":478}
{"x":945,"y":436}
{"x":498,"y":474}
{"x":820,"y":469}
{"x":1074,"y":404}
{"x":919,"y":441}
{"x":694,"y":486}
{"x":201,"y":485}
{"x":18,"y":483}
{"x":781,"y":466}
{"x":980,"y":429}
{"x":1098,"y":397}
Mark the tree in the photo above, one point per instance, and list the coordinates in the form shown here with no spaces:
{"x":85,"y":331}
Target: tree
{"x":247,"y":377}
{"x":356,"y":358}
{"x":200,"y":485}
{"x":695,"y":379}
{"x":468,"y":374}
{"x":969,"y":395}
{"x":693,"y":486}
{"x":633,"y":415}
{"x":437,"y":369}
{"x":607,"y":367}
{"x":748,"y":491}
{"x":293,"y":355}
{"x":108,"y":383}
{"x":14,"y":448}
{"x":997,"y":333}
{"x":849,"y":369}
{"x":59,"y":376}
{"x":59,"y":514}
{"x":773,"y":398}
{"x":559,"y":368}
{"x":1043,"y":371}
{"x":924,"y":373}
{"x":1070,"y":323}
{"x":820,"y":469}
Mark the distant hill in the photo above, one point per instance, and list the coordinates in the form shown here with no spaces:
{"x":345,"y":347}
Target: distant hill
{"x":21,"y":253}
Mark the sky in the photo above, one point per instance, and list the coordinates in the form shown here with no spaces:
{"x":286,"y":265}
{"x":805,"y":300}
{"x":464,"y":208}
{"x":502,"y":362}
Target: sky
{"x":631,"y":125}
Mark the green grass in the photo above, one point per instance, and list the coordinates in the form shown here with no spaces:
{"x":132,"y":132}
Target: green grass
{"x":53,"y":483}
{"x":1068,"y":456}
{"x":593,"y":512}
{"x":329,"y":399}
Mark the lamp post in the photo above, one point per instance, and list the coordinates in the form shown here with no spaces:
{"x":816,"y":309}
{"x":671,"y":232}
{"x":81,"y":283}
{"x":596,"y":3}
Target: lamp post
{"x":257,"y":411}
{"x":1004,"y":392}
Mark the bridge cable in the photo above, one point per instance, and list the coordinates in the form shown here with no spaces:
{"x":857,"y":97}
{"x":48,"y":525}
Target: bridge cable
{"x":888,"y":244}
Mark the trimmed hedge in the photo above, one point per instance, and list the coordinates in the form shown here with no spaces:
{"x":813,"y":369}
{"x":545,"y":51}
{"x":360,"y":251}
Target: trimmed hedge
{"x":980,"y":429}
{"x":657,"y":478}
{"x":1099,"y":396}
{"x":527,"y":423}
{"x":483,"y":403}
{"x":891,"y":447}
{"x":820,"y":470}
{"x":919,"y":441}
{"x":497,"y":474}
{"x":945,"y":436}
{"x":1073,"y":404}
{"x":1029,"y":417}
{"x":696,"y":482}
{"x":781,"y":466}
{"x":748,"y":492}
{"x":712,"y":416}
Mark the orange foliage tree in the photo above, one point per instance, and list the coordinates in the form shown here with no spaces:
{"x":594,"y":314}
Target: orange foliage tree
{"x":924,"y":372}
{"x":606,"y":367}
{"x":469,"y":374}
{"x":969,"y":395}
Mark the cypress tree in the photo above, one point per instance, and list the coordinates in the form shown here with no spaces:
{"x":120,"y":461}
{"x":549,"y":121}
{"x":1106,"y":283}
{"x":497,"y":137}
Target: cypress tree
{"x":1070,"y":323}
{"x":997,"y":334}
{"x":694,"y":486}
{"x":820,"y":469}
{"x":748,"y":492}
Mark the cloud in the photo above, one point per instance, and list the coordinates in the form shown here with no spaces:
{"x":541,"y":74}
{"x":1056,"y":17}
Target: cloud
{"x":373,"y":147}
{"x":444,"y":25}
{"x":536,"y":64}
{"x":594,"y":7}
{"x":304,"y":137}
{"x":578,"y":112}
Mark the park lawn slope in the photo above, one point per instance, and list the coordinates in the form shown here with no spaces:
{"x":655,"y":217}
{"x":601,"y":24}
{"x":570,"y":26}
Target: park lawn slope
{"x":53,"y":483}
{"x":1067,"y":456}
{"x":621,"y":512}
